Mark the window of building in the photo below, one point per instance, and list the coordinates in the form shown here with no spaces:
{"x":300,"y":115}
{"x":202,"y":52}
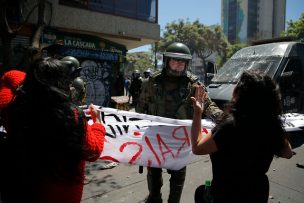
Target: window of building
{"x":138,"y":9}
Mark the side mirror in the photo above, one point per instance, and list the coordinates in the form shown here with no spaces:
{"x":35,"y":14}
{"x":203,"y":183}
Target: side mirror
{"x":211,"y":70}
{"x":211,"y":67}
{"x":287,"y":80}
{"x":287,"y":74}
{"x":210,"y":75}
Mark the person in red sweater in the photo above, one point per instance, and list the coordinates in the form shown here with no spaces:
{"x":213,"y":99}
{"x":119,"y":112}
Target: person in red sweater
{"x":49,"y":138}
{"x":9,"y":83}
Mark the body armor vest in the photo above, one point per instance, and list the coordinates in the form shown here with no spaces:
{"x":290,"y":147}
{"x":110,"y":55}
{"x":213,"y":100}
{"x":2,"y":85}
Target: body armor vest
{"x":171,"y":96}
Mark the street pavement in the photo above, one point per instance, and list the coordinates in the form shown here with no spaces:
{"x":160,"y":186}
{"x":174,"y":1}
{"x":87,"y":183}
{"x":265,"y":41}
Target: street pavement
{"x":123,"y":183}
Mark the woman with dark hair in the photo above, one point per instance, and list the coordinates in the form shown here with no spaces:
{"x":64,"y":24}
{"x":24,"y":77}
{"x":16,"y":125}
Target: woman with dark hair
{"x":49,"y":138}
{"x":242,"y":146}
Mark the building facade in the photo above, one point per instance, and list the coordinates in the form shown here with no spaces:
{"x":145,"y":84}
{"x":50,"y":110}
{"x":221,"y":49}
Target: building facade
{"x":97,"y":32}
{"x":244,"y":21}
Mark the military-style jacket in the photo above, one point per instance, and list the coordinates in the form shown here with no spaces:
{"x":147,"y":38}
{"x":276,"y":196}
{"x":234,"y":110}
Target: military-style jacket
{"x":170,"y":97}
{"x":135,"y":86}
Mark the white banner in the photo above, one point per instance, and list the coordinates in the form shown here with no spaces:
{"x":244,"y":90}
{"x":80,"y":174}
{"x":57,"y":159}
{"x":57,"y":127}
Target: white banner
{"x":293,"y":121}
{"x":147,"y":140}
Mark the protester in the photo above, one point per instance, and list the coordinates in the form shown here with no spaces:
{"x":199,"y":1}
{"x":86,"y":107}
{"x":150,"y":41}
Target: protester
{"x":49,"y":139}
{"x":243,"y":144}
{"x":167,"y":93}
{"x":9,"y":83}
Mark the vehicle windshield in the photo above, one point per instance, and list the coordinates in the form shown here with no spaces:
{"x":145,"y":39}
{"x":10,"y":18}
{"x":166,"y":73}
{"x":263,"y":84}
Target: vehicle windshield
{"x":233,"y":68}
{"x":262,"y":58}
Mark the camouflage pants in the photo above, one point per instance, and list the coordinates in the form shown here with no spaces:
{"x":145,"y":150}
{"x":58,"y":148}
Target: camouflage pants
{"x":155,"y":182}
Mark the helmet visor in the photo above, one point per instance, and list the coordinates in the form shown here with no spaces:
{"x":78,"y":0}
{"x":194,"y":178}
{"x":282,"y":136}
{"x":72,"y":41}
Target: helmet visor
{"x":177,"y":55}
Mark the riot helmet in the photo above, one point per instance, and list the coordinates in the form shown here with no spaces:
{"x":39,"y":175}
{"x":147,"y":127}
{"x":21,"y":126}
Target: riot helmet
{"x":179,"y":53}
{"x":147,"y":73}
{"x":135,"y":74}
{"x":79,"y":83}
{"x":78,"y":91}
{"x":74,"y":64}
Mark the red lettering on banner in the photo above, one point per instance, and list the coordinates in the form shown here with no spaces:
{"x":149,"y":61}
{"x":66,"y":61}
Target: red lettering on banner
{"x":149,"y":163}
{"x":134,"y":158}
{"x":105,"y":140}
{"x":160,"y":143}
{"x":109,"y":158}
{"x":136,"y":133}
{"x":153,"y":151}
{"x":204,"y":130}
{"x":185,"y":138}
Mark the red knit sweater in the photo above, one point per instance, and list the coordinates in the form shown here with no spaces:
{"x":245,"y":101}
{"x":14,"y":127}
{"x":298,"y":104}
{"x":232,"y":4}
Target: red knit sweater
{"x":54,"y":192}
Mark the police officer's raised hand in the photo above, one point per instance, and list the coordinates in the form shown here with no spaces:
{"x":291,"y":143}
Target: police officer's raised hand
{"x":198,"y":99}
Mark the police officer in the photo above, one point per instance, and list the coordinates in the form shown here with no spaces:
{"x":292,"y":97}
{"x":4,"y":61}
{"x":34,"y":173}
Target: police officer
{"x":78,"y":91}
{"x":167,"y":93}
{"x":73,"y":64}
{"x":78,"y":86}
{"x":135,"y":87}
{"x":147,"y":73}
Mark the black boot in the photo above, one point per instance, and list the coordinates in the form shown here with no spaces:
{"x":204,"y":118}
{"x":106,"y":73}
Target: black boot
{"x":176,"y":184}
{"x":155,"y":182}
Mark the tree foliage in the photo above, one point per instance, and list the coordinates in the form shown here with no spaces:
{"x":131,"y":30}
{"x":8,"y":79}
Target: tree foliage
{"x":295,"y":29}
{"x":140,"y":61}
{"x":200,"y":39}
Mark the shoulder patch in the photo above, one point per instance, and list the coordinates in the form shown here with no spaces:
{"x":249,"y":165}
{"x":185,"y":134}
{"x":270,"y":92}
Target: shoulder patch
{"x":156,"y":74}
{"x":156,"y":77}
{"x":193,"y":78}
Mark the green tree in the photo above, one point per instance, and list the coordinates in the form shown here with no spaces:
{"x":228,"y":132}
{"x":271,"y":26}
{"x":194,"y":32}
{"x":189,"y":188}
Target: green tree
{"x":295,"y":29}
{"x":200,"y":39}
{"x":140,"y":61}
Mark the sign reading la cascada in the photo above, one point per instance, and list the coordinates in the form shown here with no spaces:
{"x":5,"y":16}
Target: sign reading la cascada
{"x":52,"y":36}
{"x":80,"y":44}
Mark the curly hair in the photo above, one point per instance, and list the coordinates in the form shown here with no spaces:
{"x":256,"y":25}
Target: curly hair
{"x":256,"y":96}
{"x":256,"y":103}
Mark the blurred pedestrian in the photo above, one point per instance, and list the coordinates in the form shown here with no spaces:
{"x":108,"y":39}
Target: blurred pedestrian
{"x":49,"y":139}
{"x":244,"y":143}
{"x":127,"y":86}
{"x":147,"y":73}
{"x":135,"y":87}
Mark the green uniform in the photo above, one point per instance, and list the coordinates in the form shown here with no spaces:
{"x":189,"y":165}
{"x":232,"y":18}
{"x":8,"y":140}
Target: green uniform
{"x":169,"y":97}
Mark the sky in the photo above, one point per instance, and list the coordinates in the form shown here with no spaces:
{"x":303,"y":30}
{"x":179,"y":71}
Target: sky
{"x":208,"y":12}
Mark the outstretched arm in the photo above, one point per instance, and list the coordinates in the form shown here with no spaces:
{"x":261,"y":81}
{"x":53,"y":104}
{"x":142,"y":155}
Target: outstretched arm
{"x":200,"y":145}
{"x":95,"y":135}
